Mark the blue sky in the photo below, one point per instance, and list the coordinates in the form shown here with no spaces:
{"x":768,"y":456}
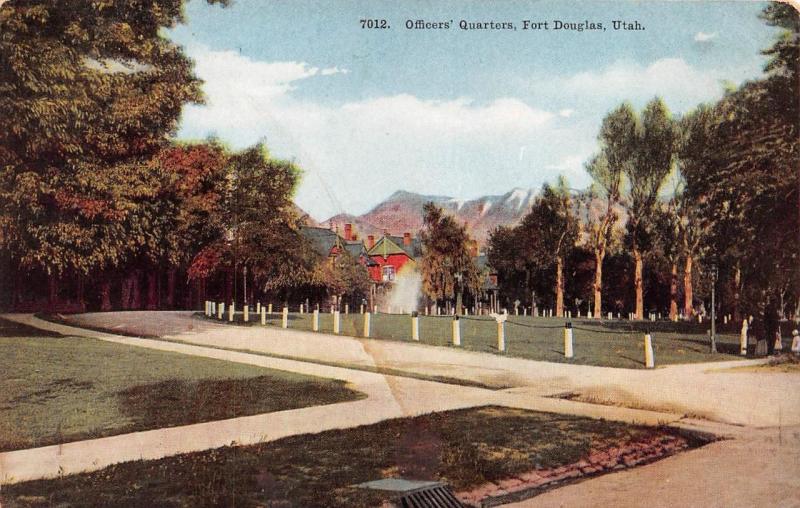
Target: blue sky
{"x":451,"y":112}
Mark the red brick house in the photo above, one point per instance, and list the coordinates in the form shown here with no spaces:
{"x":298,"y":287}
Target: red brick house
{"x":392,"y":254}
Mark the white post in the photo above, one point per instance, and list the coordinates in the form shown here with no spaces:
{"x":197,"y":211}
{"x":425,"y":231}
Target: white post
{"x":258,"y":307}
{"x":315,"y":320}
{"x":743,"y":339}
{"x":269,"y":309}
{"x":285,"y":318}
{"x":414,"y":327}
{"x":524,"y":311}
{"x":362,"y":308}
{"x":568,"y":353}
{"x":366,"y":324}
{"x":347,"y":308}
{"x":501,"y":336}
{"x":263,"y":315}
{"x":231,"y":311}
{"x":205,"y":312}
{"x":516,"y":310}
{"x":456,"y":331}
{"x":649,"y":360}
{"x":336,"y":322}
{"x":220,"y":310}
{"x":301,"y":309}
{"x":246,"y":313}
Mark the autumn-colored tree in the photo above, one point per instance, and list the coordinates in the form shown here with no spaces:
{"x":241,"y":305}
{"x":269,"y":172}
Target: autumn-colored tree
{"x":447,"y":266}
{"x":88,"y":92}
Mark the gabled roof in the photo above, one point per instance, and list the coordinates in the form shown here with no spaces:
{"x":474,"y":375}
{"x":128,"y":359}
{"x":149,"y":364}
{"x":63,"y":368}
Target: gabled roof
{"x":414,"y":250}
{"x":322,"y":239}
{"x":385,"y":246}
{"x":357,"y":249}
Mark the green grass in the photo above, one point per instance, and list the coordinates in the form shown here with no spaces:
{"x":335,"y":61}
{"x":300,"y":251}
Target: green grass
{"x":464,"y":448}
{"x":616,"y":343}
{"x":56,"y":389}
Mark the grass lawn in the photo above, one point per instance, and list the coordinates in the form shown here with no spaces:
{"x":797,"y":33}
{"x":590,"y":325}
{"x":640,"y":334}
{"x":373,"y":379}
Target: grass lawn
{"x":465,"y":448}
{"x":616,"y":343}
{"x":56,"y":389}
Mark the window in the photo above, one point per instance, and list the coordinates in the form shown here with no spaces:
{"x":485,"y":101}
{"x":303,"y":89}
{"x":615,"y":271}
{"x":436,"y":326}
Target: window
{"x":388,"y":273}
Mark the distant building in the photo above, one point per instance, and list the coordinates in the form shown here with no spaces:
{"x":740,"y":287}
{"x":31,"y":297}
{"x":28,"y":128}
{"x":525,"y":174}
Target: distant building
{"x":391,"y":254}
{"x":328,"y":243}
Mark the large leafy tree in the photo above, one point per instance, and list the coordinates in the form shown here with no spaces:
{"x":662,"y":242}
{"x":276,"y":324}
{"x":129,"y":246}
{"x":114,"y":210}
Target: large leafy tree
{"x":552,"y":227}
{"x":88,"y":92}
{"x":652,"y":153}
{"x":742,"y":173}
{"x":447,"y":266}
{"x":258,"y":243}
{"x":606,"y":170}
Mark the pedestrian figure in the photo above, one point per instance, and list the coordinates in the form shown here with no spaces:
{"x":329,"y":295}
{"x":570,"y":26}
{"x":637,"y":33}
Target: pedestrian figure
{"x":778,"y":342}
{"x":795,"y":341}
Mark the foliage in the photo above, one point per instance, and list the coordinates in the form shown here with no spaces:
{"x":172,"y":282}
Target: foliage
{"x":445,"y":255}
{"x":741,"y":170}
{"x":88,"y":93}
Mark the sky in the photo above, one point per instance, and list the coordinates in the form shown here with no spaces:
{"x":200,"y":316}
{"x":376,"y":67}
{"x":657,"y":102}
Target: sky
{"x":461,"y":113}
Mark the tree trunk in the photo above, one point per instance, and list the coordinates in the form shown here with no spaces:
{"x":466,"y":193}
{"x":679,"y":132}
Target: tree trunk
{"x":52,"y":286}
{"x":638,"y":284}
{"x":136,"y":291}
{"x":688,"y":300}
{"x":737,"y":281}
{"x":105,"y":295}
{"x":599,"y":255}
{"x":673,"y":292}
{"x":81,"y":293}
{"x":559,"y":286}
{"x":171,"y":288}
{"x":228,"y":286}
{"x":125,"y":296}
{"x":152,"y":289}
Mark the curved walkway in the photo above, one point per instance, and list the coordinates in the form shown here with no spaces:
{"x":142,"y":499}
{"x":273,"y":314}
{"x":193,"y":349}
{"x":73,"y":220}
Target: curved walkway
{"x":754,"y":467}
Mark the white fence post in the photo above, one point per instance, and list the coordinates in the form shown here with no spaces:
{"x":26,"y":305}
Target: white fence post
{"x":649,"y":360}
{"x":366,"y":324}
{"x":285,"y":318}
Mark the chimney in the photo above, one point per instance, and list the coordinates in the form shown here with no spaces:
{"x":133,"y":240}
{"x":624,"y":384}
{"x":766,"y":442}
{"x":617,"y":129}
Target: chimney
{"x":406,"y":238}
{"x":370,"y":241}
{"x":348,"y":232}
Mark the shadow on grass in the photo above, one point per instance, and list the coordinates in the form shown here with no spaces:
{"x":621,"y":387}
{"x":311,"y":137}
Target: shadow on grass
{"x":12,"y":329}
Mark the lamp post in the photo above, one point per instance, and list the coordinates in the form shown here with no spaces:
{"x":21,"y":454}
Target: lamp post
{"x":458,"y":278}
{"x":714,"y":275}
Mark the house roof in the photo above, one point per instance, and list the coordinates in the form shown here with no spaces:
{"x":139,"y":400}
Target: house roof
{"x":322,"y":239}
{"x":387,"y":245}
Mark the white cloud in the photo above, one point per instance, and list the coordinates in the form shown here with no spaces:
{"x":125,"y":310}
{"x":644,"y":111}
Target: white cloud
{"x":333,"y":70}
{"x":705,"y":37}
{"x":680,"y":84}
{"x":361,"y":151}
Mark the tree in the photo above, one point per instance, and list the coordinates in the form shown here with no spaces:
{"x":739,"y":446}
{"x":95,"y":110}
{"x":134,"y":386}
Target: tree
{"x":259,"y":229}
{"x":553,"y":227}
{"x":651,"y":155}
{"x":742,"y":173}
{"x":88,"y":93}
{"x":447,"y":266}
{"x":608,"y":179}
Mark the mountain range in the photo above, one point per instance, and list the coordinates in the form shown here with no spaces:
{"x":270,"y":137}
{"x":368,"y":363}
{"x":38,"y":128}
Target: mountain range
{"x":402,"y":212}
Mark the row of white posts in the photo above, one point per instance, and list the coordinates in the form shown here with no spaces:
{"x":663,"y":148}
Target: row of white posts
{"x":213,"y":308}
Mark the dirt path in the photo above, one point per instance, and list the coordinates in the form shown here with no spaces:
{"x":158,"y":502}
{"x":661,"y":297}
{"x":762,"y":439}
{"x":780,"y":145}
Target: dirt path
{"x":705,"y":390}
{"x":752,"y":467}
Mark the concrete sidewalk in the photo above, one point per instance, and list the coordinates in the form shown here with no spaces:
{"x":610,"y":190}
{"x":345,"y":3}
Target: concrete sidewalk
{"x":387,"y":397}
{"x":705,"y":390}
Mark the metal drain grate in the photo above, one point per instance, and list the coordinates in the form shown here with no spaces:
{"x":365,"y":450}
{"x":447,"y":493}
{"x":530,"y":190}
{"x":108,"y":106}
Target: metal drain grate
{"x":415,"y":493}
{"x":437,"y":496}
